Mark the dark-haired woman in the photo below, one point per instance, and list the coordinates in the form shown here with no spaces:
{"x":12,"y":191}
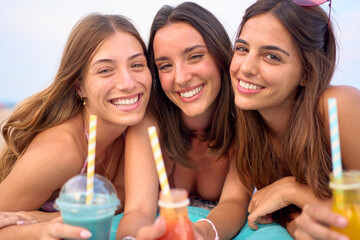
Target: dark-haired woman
{"x":281,"y":70}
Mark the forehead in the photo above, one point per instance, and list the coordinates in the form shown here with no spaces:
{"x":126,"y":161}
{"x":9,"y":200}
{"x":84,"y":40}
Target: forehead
{"x":177,"y":35}
{"x":116,"y":45}
{"x":266,"y":29}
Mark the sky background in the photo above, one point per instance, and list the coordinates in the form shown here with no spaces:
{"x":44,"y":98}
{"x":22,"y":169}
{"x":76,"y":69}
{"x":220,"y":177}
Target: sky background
{"x":33,"y":34}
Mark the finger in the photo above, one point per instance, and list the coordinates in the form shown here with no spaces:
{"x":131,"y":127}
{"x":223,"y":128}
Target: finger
{"x":26,"y":222}
{"x":251,"y":221}
{"x":316,"y":230}
{"x":325,"y":216}
{"x":153,"y":231}
{"x":252,"y":205}
{"x":11,"y":220}
{"x":300,"y":235}
{"x":59,"y":230}
{"x":265,"y":219}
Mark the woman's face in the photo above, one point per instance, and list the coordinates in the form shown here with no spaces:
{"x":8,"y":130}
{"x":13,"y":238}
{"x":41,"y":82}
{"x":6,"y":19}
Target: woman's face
{"x":188,"y":73}
{"x":117,"y":83}
{"x":266,"y":67}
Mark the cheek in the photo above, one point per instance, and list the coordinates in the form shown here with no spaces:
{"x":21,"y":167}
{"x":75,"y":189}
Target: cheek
{"x":147,"y":80}
{"x":235,"y":64}
{"x":166,"y":83}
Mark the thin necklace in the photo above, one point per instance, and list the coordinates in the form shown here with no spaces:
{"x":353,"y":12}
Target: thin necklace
{"x":107,"y":175}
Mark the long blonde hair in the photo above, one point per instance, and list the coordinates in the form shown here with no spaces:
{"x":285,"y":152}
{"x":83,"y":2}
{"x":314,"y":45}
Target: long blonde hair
{"x":59,"y":102}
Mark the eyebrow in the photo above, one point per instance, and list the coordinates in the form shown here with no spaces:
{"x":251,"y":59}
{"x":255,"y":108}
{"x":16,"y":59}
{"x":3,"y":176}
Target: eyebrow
{"x":106,"y":60}
{"x":187,"y":50}
{"x":270,"y":47}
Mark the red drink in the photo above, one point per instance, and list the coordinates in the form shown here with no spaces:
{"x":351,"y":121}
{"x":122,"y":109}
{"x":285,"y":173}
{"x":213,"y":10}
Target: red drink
{"x":174,"y":210}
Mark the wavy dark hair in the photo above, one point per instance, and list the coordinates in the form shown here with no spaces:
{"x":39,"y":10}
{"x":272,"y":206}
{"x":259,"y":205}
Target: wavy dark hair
{"x":175,"y":137}
{"x":305,"y":152}
{"x":58,"y":102}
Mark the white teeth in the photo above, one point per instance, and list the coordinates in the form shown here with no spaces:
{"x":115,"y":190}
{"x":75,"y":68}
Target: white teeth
{"x":125,"y":102}
{"x":191,"y":93}
{"x":250,"y":86}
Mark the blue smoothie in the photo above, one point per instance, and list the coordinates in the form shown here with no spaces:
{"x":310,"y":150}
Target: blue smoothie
{"x":98,"y":226}
{"x":96,"y":217}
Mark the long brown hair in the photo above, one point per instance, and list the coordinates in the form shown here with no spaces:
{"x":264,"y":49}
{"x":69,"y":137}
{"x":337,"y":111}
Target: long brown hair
{"x":58,"y":102}
{"x":305,"y":151}
{"x":174,"y":135}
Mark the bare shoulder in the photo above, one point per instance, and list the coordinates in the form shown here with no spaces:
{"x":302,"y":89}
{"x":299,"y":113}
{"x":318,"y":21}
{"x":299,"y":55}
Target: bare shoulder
{"x":347,"y":98}
{"x":343,"y":94}
{"x":59,"y":147}
{"x":348,"y":108}
{"x":54,"y":156}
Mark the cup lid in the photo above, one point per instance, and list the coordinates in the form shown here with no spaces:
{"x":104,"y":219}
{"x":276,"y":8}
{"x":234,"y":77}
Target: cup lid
{"x":74,"y":191}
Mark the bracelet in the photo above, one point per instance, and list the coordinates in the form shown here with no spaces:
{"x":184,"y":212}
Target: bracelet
{"x":129,"y":238}
{"x":213,"y":226}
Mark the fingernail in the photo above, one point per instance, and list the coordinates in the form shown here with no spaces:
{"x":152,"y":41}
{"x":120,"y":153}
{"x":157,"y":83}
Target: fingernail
{"x":343,"y":238}
{"x":85,"y":234}
{"x":20,"y":223}
{"x":341,"y":221}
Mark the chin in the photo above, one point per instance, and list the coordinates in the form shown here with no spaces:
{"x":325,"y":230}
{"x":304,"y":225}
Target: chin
{"x":244,"y":106}
{"x":133,"y":120}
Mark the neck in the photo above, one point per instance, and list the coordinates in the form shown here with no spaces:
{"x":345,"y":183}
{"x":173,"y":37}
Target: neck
{"x":106,"y":133}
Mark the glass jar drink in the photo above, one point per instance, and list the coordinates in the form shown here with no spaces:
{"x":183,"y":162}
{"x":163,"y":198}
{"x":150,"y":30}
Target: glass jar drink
{"x":346,"y":201}
{"x":174,"y":210}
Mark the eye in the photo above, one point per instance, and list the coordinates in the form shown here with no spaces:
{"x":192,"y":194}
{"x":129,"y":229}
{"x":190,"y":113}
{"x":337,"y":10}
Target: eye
{"x":240,"y":48}
{"x":196,"y":57}
{"x":273,"y":57}
{"x":137,"y":65}
{"x":105,"y":70}
{"x":164,"y":67}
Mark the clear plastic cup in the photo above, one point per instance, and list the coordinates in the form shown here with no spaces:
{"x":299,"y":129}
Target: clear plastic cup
{"x":346,"y":201}
{"x":96,"y":216}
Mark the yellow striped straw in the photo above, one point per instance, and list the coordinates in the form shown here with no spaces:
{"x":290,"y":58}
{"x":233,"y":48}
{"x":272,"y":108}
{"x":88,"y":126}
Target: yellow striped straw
{"x":164,"y":183}
{"x":91,"y":159}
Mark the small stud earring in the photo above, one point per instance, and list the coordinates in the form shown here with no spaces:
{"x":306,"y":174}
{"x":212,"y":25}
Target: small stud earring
{"x":83,"y":100}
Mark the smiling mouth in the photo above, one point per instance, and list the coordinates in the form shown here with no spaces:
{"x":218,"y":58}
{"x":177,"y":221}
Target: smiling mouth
{"x":125,"y":102}
{"x":191,"y":93}
{"x":250,"y":86}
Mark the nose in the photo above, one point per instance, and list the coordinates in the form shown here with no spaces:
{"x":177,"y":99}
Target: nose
{"x":248,"y":64}
{"x":182,"y":74}
{"x":125,"y":80}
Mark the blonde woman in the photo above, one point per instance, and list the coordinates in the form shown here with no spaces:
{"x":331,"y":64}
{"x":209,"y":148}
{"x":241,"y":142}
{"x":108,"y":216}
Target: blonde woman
{"x":103,"y":71}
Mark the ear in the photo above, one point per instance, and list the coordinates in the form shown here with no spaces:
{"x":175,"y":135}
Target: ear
{"x":302,"y":82}
{"x":78,"y":88}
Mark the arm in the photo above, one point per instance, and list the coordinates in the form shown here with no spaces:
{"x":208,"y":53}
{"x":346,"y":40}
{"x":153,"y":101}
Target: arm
{"x":141,"y":182}
{"x":230,"y":213}
{"x":47,"y":163}
{"x":286,"y":191}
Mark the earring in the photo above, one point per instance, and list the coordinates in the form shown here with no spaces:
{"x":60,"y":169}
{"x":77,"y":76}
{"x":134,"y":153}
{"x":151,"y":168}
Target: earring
{"x":83,"y":100}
